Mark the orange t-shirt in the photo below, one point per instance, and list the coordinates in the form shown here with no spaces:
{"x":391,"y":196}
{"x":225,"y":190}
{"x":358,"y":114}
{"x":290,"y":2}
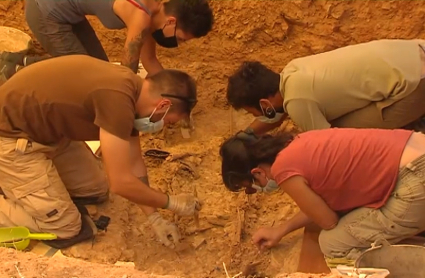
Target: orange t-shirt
{"x":348,"y":168}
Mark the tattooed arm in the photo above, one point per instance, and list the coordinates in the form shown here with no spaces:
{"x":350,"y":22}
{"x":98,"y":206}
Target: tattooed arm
{"x":132,"y":48}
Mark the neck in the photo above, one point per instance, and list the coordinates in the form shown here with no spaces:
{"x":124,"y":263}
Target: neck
{"x":154,"y":6}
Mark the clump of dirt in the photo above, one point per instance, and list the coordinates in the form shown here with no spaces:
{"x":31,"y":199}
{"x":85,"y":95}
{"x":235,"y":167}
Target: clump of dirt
{"x":273,"y":32}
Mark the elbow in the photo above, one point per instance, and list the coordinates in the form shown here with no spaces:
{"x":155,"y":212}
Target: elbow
{"x":329,"y":225}
{"x":117,"y":185}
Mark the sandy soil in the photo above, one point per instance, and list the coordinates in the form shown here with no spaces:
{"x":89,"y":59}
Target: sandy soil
{"x":270,"y":31}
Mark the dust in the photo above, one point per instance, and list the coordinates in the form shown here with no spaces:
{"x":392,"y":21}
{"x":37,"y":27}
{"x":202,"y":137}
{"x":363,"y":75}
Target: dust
{"x":273,"y":32}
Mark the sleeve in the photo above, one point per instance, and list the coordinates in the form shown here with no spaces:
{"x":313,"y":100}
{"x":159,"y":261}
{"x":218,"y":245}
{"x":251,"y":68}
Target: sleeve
{"x":281,"y":171}
{"x":306,"y":114}
{"x":115,"y":113}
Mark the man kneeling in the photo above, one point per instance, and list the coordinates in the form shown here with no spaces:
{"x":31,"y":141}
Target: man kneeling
{"x":358,"y":185}
{"x":48,"y":174}
{"x":379,"y":84}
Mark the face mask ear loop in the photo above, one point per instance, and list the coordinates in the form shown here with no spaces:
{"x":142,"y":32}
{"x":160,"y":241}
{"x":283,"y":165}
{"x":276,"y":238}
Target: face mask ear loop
{"x":166,"y":112}
{"x":153,"y":112}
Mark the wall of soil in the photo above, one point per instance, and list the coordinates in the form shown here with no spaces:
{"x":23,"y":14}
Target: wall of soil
{"x":272,"y":32}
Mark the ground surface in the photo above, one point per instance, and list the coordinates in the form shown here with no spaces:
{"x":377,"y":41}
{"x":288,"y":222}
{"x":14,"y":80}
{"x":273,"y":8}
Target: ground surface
{"x":272,"y":32}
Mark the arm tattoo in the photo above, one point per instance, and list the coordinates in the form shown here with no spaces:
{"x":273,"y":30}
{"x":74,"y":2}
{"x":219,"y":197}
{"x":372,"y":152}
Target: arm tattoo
{"x":145,"y":180}
{"x":132,"y":51}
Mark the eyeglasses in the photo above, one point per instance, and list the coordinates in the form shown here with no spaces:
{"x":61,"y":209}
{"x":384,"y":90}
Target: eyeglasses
{"x":238,"y":182}
{"x":190,"y":102}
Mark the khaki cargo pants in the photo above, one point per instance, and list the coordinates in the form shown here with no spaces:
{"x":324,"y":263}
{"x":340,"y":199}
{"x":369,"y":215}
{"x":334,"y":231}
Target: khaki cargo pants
{"x":38,"y":182}
{"x":403,"y":216}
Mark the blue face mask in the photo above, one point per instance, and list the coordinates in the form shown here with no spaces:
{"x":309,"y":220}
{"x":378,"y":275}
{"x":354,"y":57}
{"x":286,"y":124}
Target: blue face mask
{"x":270,"y":187}
{"x":146,"y":126}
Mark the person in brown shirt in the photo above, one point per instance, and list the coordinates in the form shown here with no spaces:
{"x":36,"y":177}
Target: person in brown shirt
{"x":47,"y":171}
{"x":378,"y":84}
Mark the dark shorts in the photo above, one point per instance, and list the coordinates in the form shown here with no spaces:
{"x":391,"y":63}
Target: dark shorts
{"x":59,"y":39}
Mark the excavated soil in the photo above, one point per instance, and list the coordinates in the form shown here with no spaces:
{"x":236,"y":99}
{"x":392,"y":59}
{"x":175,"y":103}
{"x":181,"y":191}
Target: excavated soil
{"x":272,"y":32}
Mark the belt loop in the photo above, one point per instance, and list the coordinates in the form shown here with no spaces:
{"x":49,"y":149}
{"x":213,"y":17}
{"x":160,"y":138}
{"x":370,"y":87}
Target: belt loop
{"x":21,"y":145}
{"x":411,"y":167}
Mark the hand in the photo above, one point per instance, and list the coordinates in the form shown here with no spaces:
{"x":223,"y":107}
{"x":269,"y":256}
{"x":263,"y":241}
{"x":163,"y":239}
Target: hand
{"x":164,"y":228}
{"x":184,"y":204}
{"x":266,"y":238}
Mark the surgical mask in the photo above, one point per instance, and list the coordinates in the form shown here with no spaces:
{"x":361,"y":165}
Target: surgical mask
{"x":270,"y":111}
{"x":146,"y":126}
{"x":167,"y":42}
{"x":270,"y":187}
{"x":264,"y":119}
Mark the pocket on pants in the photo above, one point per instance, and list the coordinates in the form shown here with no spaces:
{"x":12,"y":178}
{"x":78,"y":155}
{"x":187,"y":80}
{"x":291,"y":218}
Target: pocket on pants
{"x":375,"y":225}
{"x":35,"y":199}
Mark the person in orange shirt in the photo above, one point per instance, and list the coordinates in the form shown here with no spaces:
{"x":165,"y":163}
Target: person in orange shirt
{"x":358,"y":185}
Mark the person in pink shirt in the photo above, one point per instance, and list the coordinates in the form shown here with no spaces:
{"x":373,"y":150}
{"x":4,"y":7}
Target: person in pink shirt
{"x":358,"y":185}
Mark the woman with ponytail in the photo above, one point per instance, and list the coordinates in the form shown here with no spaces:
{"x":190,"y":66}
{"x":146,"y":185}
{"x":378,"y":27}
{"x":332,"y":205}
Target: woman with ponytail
{"x":358,"y":185}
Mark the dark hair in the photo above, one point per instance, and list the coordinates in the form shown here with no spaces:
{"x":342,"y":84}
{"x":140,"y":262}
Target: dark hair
{"x":176,"y":85}
{"x":251,"y":82}
{"x":240,"y":154}
{"x":193,"y":16}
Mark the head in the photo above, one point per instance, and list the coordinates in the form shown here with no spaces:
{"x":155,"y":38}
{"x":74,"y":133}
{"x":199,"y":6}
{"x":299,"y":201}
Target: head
{"x":181,"y":20}
{"x":255,"y":88}
{"x":166,"y":98}
{"x":247,"y":160}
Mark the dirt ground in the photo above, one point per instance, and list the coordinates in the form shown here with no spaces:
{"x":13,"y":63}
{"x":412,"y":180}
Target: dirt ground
{"x":272,"y":32}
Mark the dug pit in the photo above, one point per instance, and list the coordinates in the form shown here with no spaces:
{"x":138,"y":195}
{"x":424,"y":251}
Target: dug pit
{"x":273,"y":32}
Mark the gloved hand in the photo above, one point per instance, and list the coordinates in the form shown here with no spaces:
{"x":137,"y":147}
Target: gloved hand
{"x":163,"y":228}
{"x":183,"y":204}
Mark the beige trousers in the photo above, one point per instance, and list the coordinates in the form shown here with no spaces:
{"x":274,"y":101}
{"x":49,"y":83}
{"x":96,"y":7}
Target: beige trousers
{"x":387,"y":114}
{"x":400,"y":218}
{"x":38,"y":182}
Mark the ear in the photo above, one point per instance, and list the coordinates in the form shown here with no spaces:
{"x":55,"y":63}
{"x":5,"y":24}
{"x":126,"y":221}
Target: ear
{"x":163,"y":105}
{"x":267,"y":108}
{"x":256,"y":171}
{"x":171,"y":20}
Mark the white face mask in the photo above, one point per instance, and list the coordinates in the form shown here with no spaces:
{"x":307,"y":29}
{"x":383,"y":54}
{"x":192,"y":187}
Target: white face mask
{"x":277,"y":116}
{"x":270,"y":187}
{"x":264,"y":119}
{"x":146,"y":126}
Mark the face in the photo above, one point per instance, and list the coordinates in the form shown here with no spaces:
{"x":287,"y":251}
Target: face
{"x":169,"y":35}
{"x":268,"y":113}
{"x":259,"y":180}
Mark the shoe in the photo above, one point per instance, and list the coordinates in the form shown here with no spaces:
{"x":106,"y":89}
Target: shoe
{"x":88,"y":232}
{"x":7,"y":70}
{"x":84,"y":201}
{"x":13,"y":57}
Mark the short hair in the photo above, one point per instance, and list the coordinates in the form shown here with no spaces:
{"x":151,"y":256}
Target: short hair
{"x":176,"y":85}
{"x":250,"y":83}
{"x":193,"y":16}
{"x":241,"y":154}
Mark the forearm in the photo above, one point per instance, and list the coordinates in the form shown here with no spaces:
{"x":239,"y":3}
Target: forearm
{"x":147,"y":210}
{"x":300,"y":220}
{"x":152,"y":66}
{"x":260,"y":128}
{"x":132,"y":48}
{"x":137,"y":192}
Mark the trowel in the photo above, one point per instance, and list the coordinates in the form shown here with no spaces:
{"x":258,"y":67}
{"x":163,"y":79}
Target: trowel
{"x":19,"y":237}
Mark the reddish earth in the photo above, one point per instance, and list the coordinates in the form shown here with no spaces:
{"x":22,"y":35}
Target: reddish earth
{"x":272,"y":32}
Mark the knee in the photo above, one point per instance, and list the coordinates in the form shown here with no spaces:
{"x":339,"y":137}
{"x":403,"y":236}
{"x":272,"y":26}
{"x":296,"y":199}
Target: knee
{"x":66,"y":225}
{"x":326,"y":242}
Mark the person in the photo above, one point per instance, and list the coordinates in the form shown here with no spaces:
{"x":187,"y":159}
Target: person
{"x":61,"y":27}
{"x":47,"y":172}
{"x":358,"y":185}
{"x":377,"y":84}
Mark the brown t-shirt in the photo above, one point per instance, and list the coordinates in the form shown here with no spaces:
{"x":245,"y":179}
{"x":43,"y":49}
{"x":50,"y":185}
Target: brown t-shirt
{"x":69,"y":97}
{"x":348,"y":168}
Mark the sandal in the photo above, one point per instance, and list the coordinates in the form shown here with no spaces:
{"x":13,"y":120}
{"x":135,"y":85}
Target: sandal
{"x":157,"y":153}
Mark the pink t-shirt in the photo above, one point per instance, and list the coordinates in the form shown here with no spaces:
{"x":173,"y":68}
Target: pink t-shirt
{"x":348,"y":168}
